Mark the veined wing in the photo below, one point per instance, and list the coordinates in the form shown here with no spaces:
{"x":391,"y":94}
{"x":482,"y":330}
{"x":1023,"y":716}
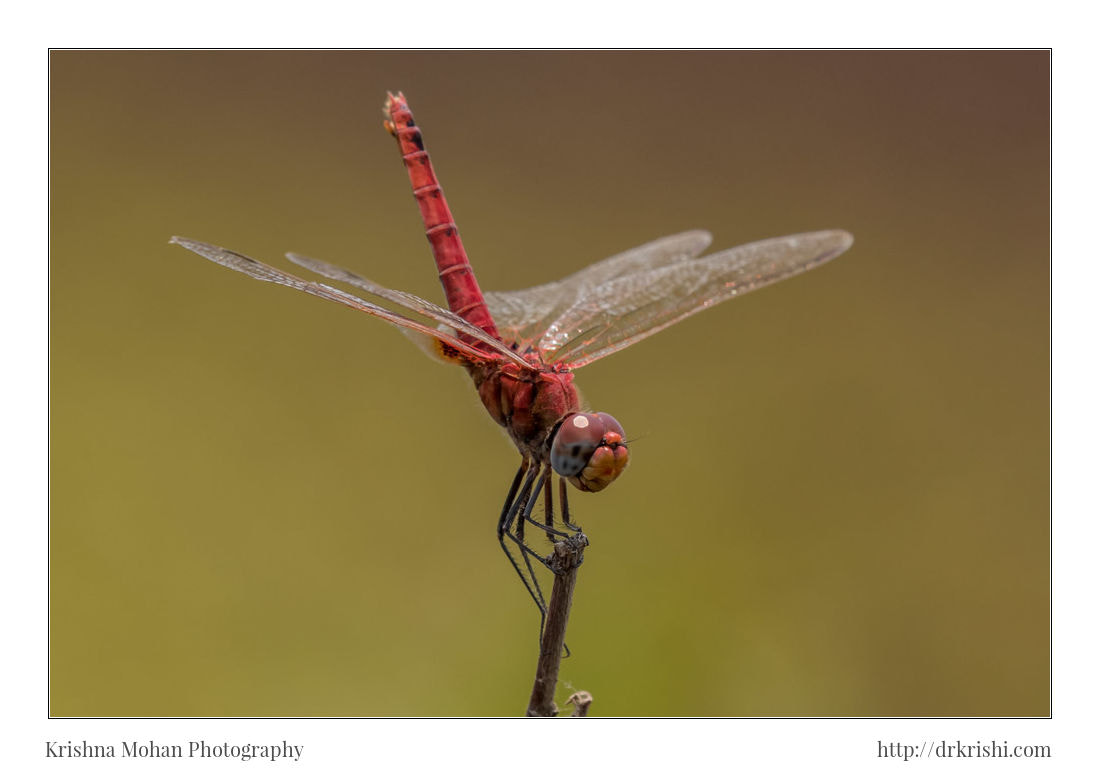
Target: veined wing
{"x":631,"y":307}
{"x":522,"y":317}
{"x":410,"y":302}
{"x":265,"y":272}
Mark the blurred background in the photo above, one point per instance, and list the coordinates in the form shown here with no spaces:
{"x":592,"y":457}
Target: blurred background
{"x":267,"y":505}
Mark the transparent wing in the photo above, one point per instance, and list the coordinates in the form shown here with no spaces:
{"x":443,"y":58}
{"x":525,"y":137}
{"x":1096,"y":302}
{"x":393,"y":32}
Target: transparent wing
{"x":408,"y":301}
{"x":264,"y":272}
{"x":626,"y":309}
{"x":522,"y":317}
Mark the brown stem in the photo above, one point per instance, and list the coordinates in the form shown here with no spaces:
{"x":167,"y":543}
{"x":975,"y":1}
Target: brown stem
{"x":567,"y":556}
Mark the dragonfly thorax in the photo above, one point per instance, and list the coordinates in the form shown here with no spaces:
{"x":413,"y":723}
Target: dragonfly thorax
{"x":529,"y":403}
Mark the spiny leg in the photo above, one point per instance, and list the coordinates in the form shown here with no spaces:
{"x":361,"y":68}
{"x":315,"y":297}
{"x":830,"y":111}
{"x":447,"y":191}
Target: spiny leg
{"x":549,"y":508}
{"x":528,"y":493}
{"x":551,"y":532}
{"x":512,"y":516}
{"x":507,"y":515}
{"x":528,"y":498}
{"x":515,"y":515}
{"x":565,"y":506}
{"x":516,"y":512}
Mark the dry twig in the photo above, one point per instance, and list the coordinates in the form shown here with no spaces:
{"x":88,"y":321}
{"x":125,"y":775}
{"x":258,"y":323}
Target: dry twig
{"x":564,"y":561}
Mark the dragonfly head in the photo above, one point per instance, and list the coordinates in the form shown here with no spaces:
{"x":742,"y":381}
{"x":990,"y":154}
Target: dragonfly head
{"x":588,"y":450}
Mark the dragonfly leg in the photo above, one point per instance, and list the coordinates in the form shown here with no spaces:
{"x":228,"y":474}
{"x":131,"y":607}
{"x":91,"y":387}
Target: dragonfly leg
{"x":551,"y":533}
{"x":516,"y":512}
{"x":503,"y":526}
{"x":549,"y":509}
{"x":565,"y":506}
{"x":512,"y":518}
{"x":512,"y":510}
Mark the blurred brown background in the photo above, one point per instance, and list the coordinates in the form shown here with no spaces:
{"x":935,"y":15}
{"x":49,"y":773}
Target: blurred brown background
{"x":263,"y":504}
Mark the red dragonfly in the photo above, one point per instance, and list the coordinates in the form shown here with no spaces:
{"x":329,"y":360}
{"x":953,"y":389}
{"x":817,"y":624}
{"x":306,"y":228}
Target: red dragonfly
{"x":521,"y":347}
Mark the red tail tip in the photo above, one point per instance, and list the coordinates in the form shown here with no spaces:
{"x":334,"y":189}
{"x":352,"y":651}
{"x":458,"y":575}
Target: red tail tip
{"x":394,"y":102}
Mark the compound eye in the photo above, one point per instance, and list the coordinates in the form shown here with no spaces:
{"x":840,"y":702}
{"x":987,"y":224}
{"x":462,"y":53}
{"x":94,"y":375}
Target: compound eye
{"x":574,"y":443}
{"x":588,"y":450}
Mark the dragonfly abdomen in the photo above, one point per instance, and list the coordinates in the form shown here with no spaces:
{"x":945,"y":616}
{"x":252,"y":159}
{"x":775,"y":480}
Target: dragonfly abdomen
{"x":464,"y":296}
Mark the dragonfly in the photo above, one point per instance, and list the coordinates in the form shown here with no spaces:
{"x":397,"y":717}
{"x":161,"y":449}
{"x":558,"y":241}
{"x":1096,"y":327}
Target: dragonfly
{"x":521,"y":348}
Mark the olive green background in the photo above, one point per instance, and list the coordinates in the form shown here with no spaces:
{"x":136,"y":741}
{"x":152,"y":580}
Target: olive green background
{"x":263,"y":504}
